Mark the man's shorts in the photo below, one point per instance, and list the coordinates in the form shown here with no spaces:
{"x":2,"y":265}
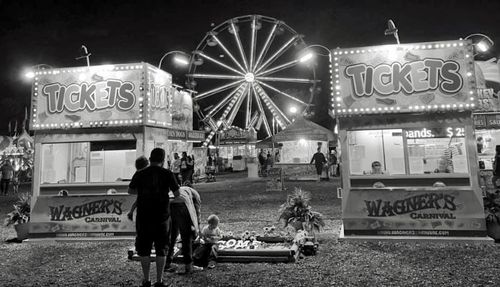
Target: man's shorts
{"x":149,"y":233}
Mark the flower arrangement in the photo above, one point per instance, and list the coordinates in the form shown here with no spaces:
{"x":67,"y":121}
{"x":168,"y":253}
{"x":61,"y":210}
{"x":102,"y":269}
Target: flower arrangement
{"x":21,"y":212}
{"x":297,"y":212}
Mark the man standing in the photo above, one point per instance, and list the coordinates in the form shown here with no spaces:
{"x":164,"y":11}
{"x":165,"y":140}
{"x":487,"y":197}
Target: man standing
{"x":152,"y":185}
{"x":176,"y":167}
{"x":319,"y":161}
{"x":185,"y":210}
{"x":7,"y":175}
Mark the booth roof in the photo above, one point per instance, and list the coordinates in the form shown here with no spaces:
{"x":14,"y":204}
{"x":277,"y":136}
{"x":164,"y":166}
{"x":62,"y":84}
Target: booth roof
{"x":299,"y":129}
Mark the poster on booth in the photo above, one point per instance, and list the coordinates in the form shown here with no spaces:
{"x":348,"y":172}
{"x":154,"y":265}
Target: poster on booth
{"x":432,"y":76}
{"x":82,"y":216}
{"x":101,"y":96}
{"x":441,"y":213}
{"x":275,"y":179}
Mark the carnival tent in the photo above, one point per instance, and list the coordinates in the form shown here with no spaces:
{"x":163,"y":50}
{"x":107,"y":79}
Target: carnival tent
{"x":304,"y":129}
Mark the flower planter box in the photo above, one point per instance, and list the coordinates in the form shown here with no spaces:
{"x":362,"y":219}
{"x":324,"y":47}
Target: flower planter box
{"x":22,"y":230}
{"x":493,"y":230}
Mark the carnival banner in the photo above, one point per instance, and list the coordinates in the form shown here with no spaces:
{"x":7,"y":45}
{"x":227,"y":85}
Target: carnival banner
{"x":104,"y":96}
{"x":404,"y":78}
{"x":82,"y":216}
{"x":392,"y":212}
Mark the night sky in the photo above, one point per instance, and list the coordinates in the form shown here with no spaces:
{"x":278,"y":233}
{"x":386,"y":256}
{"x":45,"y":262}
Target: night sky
{"x":52,"y":31}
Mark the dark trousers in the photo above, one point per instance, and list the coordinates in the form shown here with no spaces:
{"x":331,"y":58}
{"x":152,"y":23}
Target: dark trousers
{"x":204,"y":253}
{"x":176,"y":176}
{"x":4,"y":185}
{"x":187,"y":175}
{"x":181,"y":223}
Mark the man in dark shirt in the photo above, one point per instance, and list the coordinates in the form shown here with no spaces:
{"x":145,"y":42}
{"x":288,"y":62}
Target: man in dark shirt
{"x":319,"y":161}
{"x":152,"y":185}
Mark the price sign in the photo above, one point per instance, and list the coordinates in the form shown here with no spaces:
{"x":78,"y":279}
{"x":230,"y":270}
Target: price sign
{"x":450,"y":132}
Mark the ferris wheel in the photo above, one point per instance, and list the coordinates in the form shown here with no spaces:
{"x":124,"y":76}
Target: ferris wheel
{"x":246,"y":74}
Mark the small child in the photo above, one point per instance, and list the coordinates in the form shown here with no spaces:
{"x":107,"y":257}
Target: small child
{"x":140,"y":163}
{"x":207,"y":250}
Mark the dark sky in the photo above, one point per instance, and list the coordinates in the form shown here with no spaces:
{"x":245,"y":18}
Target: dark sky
{"x":51,"y":31}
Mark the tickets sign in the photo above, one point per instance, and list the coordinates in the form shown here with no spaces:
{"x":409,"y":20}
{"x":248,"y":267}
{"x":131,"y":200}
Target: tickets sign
{"x":101,"y":96}
{"x":82,"y":216}
{"x":404,"y":78}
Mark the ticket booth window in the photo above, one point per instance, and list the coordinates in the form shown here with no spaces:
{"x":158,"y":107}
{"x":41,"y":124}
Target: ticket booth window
{"x":88,"y":162}
{"x":64,"y":162}
{"x":408,"y":151}
{"x":370,"y":148}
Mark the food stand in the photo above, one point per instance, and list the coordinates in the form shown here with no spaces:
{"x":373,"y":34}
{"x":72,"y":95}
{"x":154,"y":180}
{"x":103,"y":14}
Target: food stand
{"x":90,"y":124}
{"x":298,"y":143}
{"x":408,"y":107}
{"x":487,"y":118}
{"x":237,"y":147}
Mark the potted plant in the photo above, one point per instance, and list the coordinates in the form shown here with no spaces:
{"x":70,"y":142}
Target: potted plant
{"x":297,"y":212}
{"x":20,"y":216}
{"x":492,"y":213}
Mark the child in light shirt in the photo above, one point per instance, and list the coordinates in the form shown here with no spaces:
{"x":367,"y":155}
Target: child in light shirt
{"x":206,"y":253}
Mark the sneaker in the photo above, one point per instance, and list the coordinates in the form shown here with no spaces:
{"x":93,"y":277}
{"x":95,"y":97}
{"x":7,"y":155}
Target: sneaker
{"x":188,"y":269}
{"x":146,"y":284}
{"x":170,"y":268}
{"x":211,"y":265}
{"x":161,"y":284}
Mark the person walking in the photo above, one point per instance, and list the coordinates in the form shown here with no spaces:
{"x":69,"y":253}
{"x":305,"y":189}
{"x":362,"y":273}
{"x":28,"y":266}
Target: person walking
{"x":319,"y":161}
{"x":496,"y":167}
{"x":152,"y":185}
{"x":7,"y":174}
{"x":185,"y":211}
{"x":186,"y":163}
{"x":176,"y":167}
{"x":262,"y":163}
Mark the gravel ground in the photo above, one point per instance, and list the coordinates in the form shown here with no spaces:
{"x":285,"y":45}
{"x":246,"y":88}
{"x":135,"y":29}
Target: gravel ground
{"x":244,"y":205}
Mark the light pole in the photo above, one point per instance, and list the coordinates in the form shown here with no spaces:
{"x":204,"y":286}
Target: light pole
{"x":307,"y":55}
{"x":483,"y":45}
{"x":85,"y":54}
{"x":392,"y":30}
{"x":180,"y":57}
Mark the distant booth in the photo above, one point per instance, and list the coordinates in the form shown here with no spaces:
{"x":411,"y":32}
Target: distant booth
{"x":487,"y":119}
{"x":406,"y":131}
{"x":236,"y":148}
{"x":90,"y":124}
{"x":296,"y":145}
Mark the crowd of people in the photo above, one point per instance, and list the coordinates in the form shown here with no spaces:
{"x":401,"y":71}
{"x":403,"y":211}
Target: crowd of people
{"x":161,"y":218}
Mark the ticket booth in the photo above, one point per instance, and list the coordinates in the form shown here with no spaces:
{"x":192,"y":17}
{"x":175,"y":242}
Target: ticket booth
{"x":90,"y":124}
{"x":406,"y":132}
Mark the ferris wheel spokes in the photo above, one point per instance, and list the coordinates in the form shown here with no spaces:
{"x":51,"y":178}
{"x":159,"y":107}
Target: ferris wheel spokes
{"x":219,"y":42}
{"x":218,"y":62}
{"x":238,"y":43}
{"x":253,"y":42}
{"x":222,"y":103}
{"x":216,"y":90}
{"x":267,"y":44}
{"x":248,"y":109}
{"x":277,"y":113}
{"x":215,"y":76}
{"x":261,"y":110}
{"x":279,"y":68}
{"x":282,"y":93}
{"x":278,"y":53}
{"x":236,"y":107}
{"x":290,"y":80}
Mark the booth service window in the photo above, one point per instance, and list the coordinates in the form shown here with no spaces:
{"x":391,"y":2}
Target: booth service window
{"x":88,"y":162}
{"x":408,"y":151}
